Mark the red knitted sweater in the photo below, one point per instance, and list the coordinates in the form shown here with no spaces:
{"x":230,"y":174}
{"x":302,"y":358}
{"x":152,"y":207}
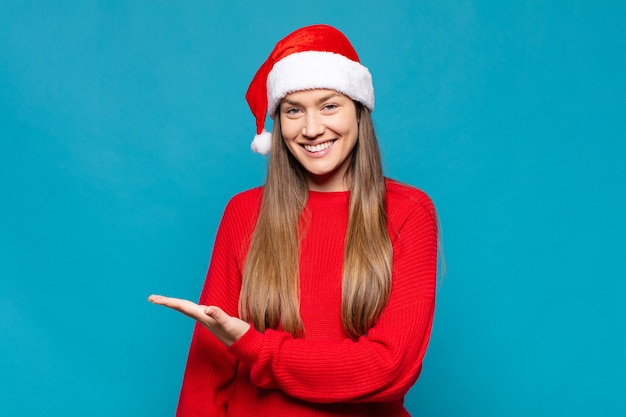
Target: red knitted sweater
{"x":325,"y":373}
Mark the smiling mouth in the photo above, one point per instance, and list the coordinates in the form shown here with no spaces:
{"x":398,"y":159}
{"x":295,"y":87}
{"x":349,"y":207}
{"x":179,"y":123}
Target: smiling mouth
{"x":319,"y":147}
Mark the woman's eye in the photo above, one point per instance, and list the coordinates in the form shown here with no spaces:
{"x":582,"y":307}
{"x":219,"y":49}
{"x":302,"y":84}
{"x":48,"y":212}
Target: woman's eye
{"x":330,"y":107}
{"x":292,"y":110}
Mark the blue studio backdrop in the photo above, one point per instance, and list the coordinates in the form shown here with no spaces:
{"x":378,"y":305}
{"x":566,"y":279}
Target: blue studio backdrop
{"x":124,"y":132}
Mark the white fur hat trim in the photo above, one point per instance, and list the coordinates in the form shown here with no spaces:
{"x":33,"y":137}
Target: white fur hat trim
{"x":314,"y":69}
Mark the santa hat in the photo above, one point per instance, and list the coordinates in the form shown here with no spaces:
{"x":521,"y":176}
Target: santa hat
{"x":317,"y":56}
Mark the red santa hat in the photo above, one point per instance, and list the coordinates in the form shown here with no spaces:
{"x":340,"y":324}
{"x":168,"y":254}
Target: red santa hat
{"x":317,"y":56}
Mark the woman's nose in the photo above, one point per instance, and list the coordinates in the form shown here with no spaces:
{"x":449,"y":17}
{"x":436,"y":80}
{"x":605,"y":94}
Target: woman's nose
{"x":313,"y":126}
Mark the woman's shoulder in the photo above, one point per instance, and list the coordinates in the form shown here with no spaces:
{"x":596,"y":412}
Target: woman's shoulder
{"x":245,"y":201}
{"x":406,"y":197}
{"x":407,"y":205}
{"x":247,"y":196}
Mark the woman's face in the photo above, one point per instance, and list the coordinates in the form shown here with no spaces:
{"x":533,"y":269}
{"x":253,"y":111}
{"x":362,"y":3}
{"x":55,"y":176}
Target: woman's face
{"x":320,"y":129}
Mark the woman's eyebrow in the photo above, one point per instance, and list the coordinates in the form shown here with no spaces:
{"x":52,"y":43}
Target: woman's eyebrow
{"x":290,"y":102}
{"x":319,"y":101}
{"x":327,"y":97}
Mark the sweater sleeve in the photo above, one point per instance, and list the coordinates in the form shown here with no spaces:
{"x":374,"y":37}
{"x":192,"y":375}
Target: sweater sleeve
{"x":210,"y":368}
{"x":380,"y":366}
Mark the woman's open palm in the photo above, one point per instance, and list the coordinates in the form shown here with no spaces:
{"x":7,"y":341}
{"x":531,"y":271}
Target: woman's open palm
{"x":226,"y":328}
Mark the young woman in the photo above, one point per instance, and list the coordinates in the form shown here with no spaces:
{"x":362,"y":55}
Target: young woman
{"x":320,"y":294}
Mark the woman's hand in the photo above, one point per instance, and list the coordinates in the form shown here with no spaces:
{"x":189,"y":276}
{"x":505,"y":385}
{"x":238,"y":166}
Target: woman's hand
{"x":226,"y":328}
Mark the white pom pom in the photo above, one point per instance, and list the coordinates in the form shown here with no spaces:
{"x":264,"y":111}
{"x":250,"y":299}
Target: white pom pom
{"x":262,"y":143}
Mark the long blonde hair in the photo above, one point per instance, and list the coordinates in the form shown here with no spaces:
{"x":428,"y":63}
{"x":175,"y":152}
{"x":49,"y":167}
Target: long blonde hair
{"x":270,"y":287}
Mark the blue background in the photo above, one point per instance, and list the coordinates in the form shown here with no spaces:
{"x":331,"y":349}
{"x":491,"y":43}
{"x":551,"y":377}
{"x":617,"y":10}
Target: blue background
{"x":124,"y":131}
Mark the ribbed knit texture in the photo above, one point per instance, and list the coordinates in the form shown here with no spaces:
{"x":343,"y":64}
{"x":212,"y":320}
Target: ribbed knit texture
{"x":325,"y":373}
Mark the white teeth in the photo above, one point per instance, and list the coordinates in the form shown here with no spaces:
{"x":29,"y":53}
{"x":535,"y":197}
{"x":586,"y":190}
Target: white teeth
{"x":319,"y":147}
